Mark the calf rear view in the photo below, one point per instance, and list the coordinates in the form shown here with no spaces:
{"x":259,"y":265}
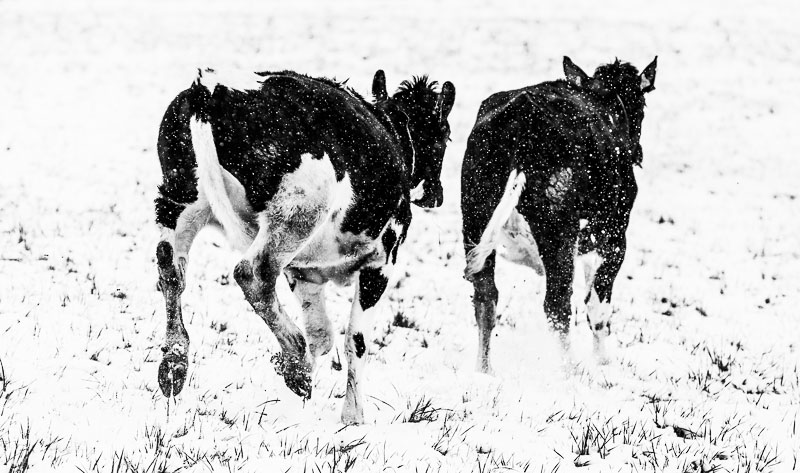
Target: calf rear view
{"x":548,"y":174}
{"x":310,"y":182}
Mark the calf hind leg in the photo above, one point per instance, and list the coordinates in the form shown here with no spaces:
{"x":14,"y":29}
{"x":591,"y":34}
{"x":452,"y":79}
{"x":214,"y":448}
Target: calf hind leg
{"x":280,"y":237}
{"x":171,"y":256}
{"x":483,"y":192}
{"x":557,"y":249}
{"x":258,"y":278}
{"x":485,"y":302}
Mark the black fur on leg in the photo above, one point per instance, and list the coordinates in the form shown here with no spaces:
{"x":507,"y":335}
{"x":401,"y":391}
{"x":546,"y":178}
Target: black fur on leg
{"x":371,"y":284}
{"x":483,"y":282}
{"x":170,"y":277}
{"x":361,"y":347}
{"x":613,"y":254}
{"x":557,"y":249}
{"x":164,"y":256}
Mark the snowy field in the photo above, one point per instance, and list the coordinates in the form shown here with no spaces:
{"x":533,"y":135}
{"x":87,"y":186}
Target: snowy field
{"x":705,"y":370}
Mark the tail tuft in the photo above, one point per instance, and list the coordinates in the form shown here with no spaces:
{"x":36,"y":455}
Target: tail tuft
{"x":476,"y":258}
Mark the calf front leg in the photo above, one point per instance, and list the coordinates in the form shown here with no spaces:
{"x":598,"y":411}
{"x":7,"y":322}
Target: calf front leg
{"x":371,"y":285}
{"x":599,"y":303}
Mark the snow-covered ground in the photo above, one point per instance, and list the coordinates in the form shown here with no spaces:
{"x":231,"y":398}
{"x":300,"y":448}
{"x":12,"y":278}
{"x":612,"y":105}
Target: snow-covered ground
{"x":705,"y":361}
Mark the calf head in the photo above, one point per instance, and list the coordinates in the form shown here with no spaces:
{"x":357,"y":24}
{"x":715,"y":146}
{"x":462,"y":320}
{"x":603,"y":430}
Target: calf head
{"x":424,"y":110}
{"x":619,"y":81}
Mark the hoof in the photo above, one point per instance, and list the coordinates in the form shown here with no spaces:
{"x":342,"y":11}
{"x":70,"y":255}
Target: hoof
{"x":603,"y":360}
{"x":600,"y":343}
{"x":352,"y":416}
{"x":564,"y":341}
{"x":172,"y":372}
{"x":320,"y":347}
{"x":296,"y":373}
{"x":600,"y":351}
{"x":487,"y":370}
{"x":320,"y":340}
{"x":483,"y":366}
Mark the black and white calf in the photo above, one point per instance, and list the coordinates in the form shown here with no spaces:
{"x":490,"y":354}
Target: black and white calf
{"x":548,"y":174}
{"x":309,"y":181}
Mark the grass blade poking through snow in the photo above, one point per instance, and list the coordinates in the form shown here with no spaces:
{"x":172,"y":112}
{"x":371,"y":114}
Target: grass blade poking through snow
{"x":423,"y":411}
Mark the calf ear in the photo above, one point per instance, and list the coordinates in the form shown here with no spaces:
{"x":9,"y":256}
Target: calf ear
{"x":446,"y":100}
{"x":649,"y":76}
{"x":379,"y":86}
{"x":574,"y":73}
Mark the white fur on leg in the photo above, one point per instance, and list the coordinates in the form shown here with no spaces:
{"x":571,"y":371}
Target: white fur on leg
{"x":600,"y":323}
{"x":586,"y":266}
{"x":580,"y":289}
{"x":591,"y":262}
{"x":319,"y":330}
{"x":191,"y":220}
{"x":417,"y":192}
{"x":358,"y":333}
{"x":600,"y":346}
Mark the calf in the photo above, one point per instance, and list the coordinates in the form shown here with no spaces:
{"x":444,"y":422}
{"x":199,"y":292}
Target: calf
{"x":548,"y":173}
{"x":309,"y":181}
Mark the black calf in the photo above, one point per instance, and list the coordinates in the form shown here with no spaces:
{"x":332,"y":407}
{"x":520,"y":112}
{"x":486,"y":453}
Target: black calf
{"x":549,"y":169}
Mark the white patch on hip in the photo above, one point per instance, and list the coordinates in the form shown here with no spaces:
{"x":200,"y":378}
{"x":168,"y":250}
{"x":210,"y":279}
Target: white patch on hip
{"x":341,"y":197}
{"x":318,"y":186}
{"x":560,"y":183}
{"x":313,"y":185}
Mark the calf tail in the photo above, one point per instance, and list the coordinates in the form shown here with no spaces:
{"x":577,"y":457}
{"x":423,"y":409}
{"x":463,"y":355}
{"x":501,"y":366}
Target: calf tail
{"x":476,"y":257}
{"x":212,"y":183}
